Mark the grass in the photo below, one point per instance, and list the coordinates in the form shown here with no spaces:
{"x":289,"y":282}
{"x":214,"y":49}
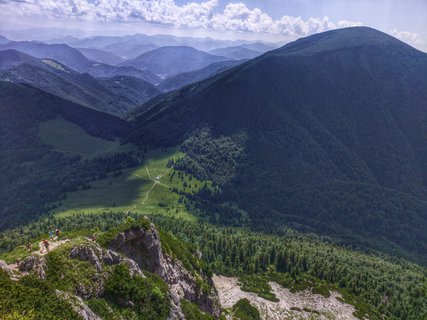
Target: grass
{"x":66,"y":274}
{"x":31,"y":298}
{"x":193,"y":312}
{"x":243,"y":310}
{"x":258,"y":284}
{"x":137,"y":190}
{"x":68,"y":137}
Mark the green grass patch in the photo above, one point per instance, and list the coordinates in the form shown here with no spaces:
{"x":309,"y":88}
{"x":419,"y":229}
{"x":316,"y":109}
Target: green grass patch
{"x":301,"y":283}
{"x":258,"y":283}
{"x":152,"y":188}
{"x":130,"y":223}
{"x":66,"y":137}
{"x":145,"y":298}
{"x":65,"y":273}
{"x":243,"y":310}
{"x":20,"y":252}
{"x":101,"y":308}
{"x":193,"y":312}
{"x":30,"y":299}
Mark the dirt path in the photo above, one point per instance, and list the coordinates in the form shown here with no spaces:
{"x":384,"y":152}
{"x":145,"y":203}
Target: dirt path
{"x":156,"y":181}
{"x":52,"y":246}
{"x":300,"y":305}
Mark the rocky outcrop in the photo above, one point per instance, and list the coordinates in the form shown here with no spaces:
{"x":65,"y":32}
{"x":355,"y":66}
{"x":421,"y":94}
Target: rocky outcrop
{"x":5,"y":267}
{"x":110,"y":257}
{"x":144,"y":247}
{"x":139,"y":249}
{"x":78,"y":305}
{"x":87,"y":253}
{"x":33,"y":265}
{"x":96,"y":256}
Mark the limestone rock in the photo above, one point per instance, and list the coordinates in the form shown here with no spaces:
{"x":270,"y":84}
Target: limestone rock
{"x":34,"y":264}
{"x":4,"y":266}
{"x":86,"y":253}
{"x":144,"y":247}
{"x":110,"y":257}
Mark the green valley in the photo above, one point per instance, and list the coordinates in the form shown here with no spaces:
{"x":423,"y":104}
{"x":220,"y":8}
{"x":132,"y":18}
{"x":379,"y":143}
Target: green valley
{"x":151,"y":187}
{"x":289,"y":186}
{"x":65,"y":137}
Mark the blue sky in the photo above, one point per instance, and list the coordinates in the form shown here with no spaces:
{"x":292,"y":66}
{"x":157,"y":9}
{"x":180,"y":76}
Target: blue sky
{"x":270,"y":20}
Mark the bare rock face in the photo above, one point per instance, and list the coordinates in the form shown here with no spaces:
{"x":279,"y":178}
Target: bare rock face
{"x":110,"y":257}
{"x":35,"y":265}
{"x":87,"y":253}
{"x":4,"y":266}
{"x":144,"y":247}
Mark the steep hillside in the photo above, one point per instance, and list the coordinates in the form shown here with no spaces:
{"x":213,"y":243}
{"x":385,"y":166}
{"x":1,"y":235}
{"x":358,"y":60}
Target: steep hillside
{"x":130,"y":49}
{"x":11,"y":58}
{"x":181,"y":80}
{"x":326,"y":134}
{"x":260,"y":46}
{"x":113,"y":95}
{"x":100,"y":56}
{"x":237,"y":53}
{"x":170,"y":61}
{"x":36,"y":170}
{"x":133,"y":272}
{"x":257,"y":275}
{"x":73,"y":59}
{"x":3,"y":39}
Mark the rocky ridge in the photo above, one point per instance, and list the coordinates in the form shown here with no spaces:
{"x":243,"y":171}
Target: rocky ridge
{"x":138,"y":249}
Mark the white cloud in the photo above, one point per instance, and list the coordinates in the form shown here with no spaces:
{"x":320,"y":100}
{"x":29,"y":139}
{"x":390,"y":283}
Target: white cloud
{"x":234,"y":17}
{"x":411,"y":38}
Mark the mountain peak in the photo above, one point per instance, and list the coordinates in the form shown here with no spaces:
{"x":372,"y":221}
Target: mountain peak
{"x":339,"y":39}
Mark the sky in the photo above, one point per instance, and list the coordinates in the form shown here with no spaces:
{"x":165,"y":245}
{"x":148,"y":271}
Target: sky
{"x":268,"y":20}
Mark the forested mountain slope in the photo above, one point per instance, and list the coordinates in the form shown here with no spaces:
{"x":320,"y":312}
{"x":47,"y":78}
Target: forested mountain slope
{"x":326,"y":134}
{"x":172,"y":60}
{"x":115,"y":95}
{"x":74,"y":59}
{"x":34,"y":168}
{"x":181,"y":80}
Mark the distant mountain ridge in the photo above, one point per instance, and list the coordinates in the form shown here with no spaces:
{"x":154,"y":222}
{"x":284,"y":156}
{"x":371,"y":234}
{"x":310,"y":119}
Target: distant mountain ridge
{"x":72,"y":58}
{"x":115,"y":95}
{"x":25,"y":156}
{"x":203,"y":44}
{"x":325,"y":134}
{"x":238,"y":52}
{"x":101,"y":56}
{"x":3,"y":39}
{"x":170,"y":61}
{"x":183,"y":79}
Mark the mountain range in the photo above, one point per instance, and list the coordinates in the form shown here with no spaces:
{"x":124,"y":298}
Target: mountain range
{"x":325,"y":134}
{"x":115,"y":95}
{"x":183,"y":79}
{"x":289,"y":185}
{"x":170,"y":61}
{"x":101,"y":56}
{"x":237,"y":53}
{"x":73,"y":59}
{"x":33,"y":173}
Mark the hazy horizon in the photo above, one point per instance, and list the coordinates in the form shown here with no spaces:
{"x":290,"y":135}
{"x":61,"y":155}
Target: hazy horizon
{"x":278,"y":21}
